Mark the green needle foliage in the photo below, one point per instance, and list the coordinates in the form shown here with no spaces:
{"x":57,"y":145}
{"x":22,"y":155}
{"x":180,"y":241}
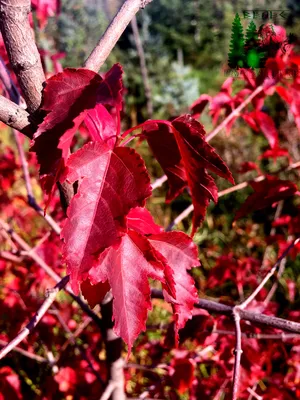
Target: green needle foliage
{"x":236,"y":57}
{"x":253,"y":53}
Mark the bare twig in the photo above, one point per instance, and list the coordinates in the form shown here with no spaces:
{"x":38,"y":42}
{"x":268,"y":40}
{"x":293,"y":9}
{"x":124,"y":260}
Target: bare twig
{"x":222,"y":193}
{"x":25,"y":353}
{"x":50,"y":298}
{"x":12,"y":91}
{"x":259,"y":336}
{"x":253,"y":394}
{"x":144,"y":70}
{"x":238,"y":354}
{"x":256,"y":318}
{"x":8,"y":256}
{"x":112,"y":34}
{"x":245,"y":303}
{"x":234,"y":113}
{"x":237,"y":317}
{"x":22,"y":51}
{"x":80,"y":348}
{"x":279,"y":275}
{"x":158,"y":182}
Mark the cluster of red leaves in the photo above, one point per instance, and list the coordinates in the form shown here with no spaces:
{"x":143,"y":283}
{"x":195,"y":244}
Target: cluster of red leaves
{"x":108,"y":239}
{"x":280,"y":74}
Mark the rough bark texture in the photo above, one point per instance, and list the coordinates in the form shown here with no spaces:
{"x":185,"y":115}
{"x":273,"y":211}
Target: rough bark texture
{"x":22,"y":51}
{"x":15,"y":116}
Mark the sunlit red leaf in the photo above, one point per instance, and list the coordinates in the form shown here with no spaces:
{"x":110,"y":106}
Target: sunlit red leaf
{"x":142,"y":221}
{"x":111,"y":182}
{"x":181,"y":254}
{"x":128,"y":265}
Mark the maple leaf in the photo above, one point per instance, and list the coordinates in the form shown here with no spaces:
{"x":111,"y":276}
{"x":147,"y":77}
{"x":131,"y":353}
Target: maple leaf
{"x":180,"y":148}
{"x":181,"y":255}
{"x":111,"y":182}
{"x":141,"y":221}
{"x":258,"y":120}
{"x":198,"y":106}
{"x":266,"y":192}
{"x":67,"y":99}
{"x":183,"y":373}
{"x":248,"y":166}
{"x":127,"y":265}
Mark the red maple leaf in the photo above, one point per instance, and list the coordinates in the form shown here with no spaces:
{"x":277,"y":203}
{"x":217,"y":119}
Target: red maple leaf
{"x":111,"y":182}
{"x":181,"y":149}
{"x":266,"y":192}
{"x":68,"y":98}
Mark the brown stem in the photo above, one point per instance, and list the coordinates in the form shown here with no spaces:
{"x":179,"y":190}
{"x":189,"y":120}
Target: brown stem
{"x":15,"y":117}
{"x":50,"y":298}
{"x":22,"y":51}
{"x":112,"y":34}
{"x":143,"y":65}
{"x":257,"y":318}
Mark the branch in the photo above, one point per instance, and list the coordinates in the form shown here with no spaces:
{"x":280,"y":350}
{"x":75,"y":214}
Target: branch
{"x":238,"y":354}
{"x":257,"y":318}
{"x":15,"y":117}
{"x":245,"y":303}
{"x":185,"y":213}
{"x":79,"y":347}
{"x":25,"y":353}
{"x":50,"y":298}
{"x":234,"y":113}
{"x":22,"y":51}
{"x":112,"y":34}
{"x":237,"y":317}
